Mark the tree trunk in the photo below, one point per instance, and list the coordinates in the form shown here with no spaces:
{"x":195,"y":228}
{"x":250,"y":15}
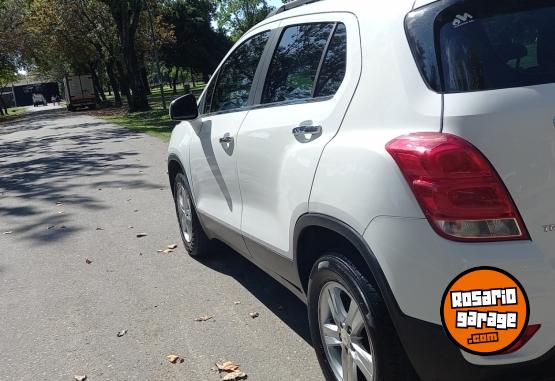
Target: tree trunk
{"x":144,"y":76}
{"x":113,"y":83}
{"x":193,"y":78}
{"x":3,"y":105}
{"x":101,"y":84}
{"x":99,"y":93}
{"x":126,"y":14}
{"x":175,"y":77}
{"x":122,"y":80}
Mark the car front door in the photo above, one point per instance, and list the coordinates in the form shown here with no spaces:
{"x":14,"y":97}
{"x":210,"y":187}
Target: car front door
{"x":299,"y":109}
{"x":213,"y":152}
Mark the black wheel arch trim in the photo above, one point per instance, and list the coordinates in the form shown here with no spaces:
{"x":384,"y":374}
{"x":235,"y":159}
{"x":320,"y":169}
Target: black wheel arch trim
{"x":346,"y":231}
{"x":174,"y":158}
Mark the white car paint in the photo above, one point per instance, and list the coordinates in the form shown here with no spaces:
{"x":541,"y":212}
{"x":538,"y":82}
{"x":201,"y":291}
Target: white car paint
{"x":276,"y":185}
{"x":346,"y":173}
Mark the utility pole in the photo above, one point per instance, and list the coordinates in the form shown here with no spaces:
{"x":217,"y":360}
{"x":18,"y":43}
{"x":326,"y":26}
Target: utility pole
{"x":156,"y":54}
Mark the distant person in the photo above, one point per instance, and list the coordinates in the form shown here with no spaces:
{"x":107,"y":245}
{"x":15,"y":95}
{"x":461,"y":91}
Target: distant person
{"x":53,"y":100}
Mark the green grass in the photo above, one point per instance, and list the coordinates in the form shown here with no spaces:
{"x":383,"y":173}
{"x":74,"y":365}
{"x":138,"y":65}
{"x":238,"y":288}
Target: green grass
{"x":155,"y":122}
{"x":14,"y":112}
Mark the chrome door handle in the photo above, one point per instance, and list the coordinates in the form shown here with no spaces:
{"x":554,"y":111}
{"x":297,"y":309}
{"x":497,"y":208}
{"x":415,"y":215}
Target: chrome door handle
{"x":226,"y":138}
{"x":307,"y":130}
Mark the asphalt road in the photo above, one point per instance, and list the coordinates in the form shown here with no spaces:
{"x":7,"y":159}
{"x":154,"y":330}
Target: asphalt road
{"x":72,"y":188}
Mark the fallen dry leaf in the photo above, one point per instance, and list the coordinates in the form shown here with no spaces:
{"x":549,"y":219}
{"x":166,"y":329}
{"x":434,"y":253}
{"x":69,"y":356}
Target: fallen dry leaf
{"x":61,"y":212}
{"x":99,"y":228}
{"x":230,"y":371}
{"x":174,"y":359}
{"x":88,"y":261}
{"x":59,"y":203}
{"x":235,"y":375}
{"x":167,"y":251}
{"x":237,"y":303}
{"x":80,"y":378}
{"x":10,"y":232}
{"x":254,"y":315}
{"x":130,"y":227}
{"x":227,"y":366}
{"x":172,"y":247}
{"x":122,"y":332}
{"x":51,"y":227}
{"x":141,"y":235}
{"x":204,"y":318}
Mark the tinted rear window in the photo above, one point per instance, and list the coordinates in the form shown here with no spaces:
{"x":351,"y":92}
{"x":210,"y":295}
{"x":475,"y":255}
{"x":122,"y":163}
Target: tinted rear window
{"x":294,"y":66}
{"x":486,"y":44}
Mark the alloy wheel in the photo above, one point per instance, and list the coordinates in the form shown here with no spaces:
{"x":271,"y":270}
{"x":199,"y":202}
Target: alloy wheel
{"x":347,"y":342}
{"x":185,"y":212}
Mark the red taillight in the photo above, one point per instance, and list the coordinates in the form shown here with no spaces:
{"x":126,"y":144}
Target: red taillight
{"x":530,"y":331}
{"x":459,"y":191}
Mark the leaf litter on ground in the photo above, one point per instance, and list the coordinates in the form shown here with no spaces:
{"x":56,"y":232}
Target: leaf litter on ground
{"x":122,"y":332}
{"x":204,"y":318}
{"x":170,"y":249}
{"x":230,"y":371}
{"x":174,"y":359}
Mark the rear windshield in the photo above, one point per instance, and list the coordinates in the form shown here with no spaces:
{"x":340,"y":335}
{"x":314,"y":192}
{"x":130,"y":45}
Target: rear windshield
{"x":486,"y":44}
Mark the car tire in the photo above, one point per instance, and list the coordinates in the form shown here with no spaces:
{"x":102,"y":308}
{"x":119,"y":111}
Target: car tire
{"x":363,"y":340}
{"x":194,"y":238}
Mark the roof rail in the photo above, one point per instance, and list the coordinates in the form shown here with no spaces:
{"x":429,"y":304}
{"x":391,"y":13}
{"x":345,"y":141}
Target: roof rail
{"x":291,"y":5}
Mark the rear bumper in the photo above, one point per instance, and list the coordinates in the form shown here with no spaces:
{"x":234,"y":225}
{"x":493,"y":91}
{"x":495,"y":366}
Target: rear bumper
{"x":418,"y":265}
{"x":435,"y":358}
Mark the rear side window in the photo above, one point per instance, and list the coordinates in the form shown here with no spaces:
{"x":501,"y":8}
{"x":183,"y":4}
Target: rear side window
{"x":234,"y":81}
{"x":334,"y":65}
{"x":485,"y":44}
{"x":303,"y":52}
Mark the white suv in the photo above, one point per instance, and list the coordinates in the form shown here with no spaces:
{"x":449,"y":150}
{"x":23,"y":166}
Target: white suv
{"x":366,"y":153}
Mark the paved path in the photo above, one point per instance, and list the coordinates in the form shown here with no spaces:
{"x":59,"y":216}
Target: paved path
{"x":73,"y":187}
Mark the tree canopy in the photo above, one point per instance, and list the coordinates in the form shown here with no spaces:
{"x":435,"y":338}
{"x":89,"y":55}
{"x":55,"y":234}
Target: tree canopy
{"x":116,"y":40}
{"x":236,"y":17}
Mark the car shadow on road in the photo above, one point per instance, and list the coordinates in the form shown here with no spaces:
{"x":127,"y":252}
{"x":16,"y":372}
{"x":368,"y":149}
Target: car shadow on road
{"x":286,"y":306}
{"x":62,"y":164}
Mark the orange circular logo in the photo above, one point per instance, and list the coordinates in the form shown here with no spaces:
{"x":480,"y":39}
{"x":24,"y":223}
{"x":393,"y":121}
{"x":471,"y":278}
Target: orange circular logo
{"x":485,"y":311}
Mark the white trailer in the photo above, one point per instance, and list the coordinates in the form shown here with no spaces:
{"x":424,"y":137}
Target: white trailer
{"x":79,"y":92}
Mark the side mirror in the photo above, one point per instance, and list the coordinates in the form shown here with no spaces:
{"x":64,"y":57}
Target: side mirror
{"x":184,"y":108}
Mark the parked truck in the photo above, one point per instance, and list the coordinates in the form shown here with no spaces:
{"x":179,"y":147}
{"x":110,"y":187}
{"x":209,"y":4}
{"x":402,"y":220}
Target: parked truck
{"x":79,"y":92}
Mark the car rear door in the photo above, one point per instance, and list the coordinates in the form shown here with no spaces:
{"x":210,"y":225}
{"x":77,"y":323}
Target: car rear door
{"x":310,"y":79}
